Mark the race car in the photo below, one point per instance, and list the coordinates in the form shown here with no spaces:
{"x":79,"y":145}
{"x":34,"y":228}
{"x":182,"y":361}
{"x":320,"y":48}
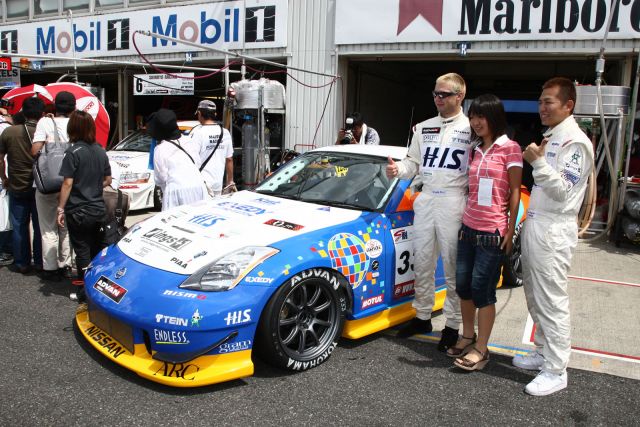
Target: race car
{"x":136,"y":178}
{"x":321,"y":249}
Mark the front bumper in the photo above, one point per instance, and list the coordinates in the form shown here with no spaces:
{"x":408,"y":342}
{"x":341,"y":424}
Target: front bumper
{"x":201,"y":371}
{"x":140,"y":195}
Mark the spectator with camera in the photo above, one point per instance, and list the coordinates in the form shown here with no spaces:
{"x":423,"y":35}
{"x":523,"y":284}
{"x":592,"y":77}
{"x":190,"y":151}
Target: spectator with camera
{"x":356,"y":131}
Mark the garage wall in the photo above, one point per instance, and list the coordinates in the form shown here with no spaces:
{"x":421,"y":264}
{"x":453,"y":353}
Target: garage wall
{"x":311,"y":47}
{"x":387,"y":90}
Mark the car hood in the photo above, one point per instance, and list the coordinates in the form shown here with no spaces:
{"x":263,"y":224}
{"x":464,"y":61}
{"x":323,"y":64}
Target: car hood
{"x":130,"y":161}
{"x":186,"y":238}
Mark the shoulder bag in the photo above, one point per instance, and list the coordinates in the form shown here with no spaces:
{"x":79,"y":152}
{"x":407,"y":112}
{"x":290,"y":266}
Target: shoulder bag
{"x":46,"y":166}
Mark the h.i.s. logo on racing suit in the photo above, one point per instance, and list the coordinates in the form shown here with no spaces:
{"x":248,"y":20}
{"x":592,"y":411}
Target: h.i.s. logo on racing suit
{"x":436,"y":156}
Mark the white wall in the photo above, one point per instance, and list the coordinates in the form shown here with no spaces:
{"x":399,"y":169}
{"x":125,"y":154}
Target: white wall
{"x":310,"y":46}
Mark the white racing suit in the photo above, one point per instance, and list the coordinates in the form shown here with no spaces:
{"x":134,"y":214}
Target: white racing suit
{"x":439,"y":154}
{"x":551,"y":234}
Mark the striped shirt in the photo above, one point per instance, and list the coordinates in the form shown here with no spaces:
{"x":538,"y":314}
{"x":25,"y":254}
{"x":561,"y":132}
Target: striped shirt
{"x":493,"y":165}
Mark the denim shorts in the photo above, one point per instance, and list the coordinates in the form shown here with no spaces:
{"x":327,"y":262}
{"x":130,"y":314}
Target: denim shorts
{"x":478,"y":265}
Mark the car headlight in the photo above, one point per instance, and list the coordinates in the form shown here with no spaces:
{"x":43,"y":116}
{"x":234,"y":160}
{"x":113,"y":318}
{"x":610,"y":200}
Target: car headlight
{"x":226,"y":272}
{"x":134,"y":178}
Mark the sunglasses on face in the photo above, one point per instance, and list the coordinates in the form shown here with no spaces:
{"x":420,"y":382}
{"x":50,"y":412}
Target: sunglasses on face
{"x":442,"y":95}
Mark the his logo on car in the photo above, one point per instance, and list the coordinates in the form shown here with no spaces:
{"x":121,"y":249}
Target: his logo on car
{"x":238,"y":317}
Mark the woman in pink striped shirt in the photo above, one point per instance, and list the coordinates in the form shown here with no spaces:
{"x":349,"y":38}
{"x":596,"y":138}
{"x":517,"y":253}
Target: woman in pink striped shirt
{"x":487,"y":229}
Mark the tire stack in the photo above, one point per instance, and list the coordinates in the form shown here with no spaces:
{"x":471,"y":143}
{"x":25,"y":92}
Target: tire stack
{"x":631,"y":221}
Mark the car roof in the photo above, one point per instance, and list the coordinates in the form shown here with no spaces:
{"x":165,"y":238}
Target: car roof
{"x":187,"y":124}
{"x":395,"y":152}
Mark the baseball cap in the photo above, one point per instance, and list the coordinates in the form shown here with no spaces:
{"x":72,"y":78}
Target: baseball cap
{"x":65,"y":102}
{"x":206,"y":105}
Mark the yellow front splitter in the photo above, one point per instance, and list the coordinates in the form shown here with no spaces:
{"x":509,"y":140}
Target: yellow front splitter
{"x":204,"y":370}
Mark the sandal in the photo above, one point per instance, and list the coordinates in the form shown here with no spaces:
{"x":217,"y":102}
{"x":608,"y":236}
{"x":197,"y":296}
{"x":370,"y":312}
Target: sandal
{"x":456,"y":351}
{"x":469,"y":365}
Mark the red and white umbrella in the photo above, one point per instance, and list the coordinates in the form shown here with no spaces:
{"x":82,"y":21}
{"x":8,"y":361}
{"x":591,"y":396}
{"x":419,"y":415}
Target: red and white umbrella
{"x":16,"y":96}
{"x":86,"y":101}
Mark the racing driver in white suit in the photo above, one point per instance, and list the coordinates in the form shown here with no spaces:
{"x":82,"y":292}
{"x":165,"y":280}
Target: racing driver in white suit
{"x":561,"y":165}
{"x":439,"y":155}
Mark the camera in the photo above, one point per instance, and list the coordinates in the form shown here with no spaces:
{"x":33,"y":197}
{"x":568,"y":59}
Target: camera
{"x":348,"y":131}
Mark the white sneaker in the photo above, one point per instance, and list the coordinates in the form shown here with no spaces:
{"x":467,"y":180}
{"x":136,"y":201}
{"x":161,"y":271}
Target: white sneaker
{"x":531,"y":361}
{"x":546,"y":383}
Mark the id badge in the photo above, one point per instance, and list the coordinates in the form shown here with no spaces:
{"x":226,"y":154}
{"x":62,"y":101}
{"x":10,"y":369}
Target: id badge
{"x":485,"y":190}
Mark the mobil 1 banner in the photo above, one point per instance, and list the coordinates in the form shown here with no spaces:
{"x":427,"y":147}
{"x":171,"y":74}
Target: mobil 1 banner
{"x":163,"y":84}
{"x":384,"y":21}
{"x":232,"y":24}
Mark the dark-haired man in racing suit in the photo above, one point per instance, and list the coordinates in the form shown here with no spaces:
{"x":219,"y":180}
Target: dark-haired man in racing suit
{"x":439,"y":154}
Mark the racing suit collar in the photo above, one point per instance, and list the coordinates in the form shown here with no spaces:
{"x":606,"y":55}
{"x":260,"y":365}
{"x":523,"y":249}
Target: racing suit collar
{"x":559,"y":127}
{"x":450,"y":120}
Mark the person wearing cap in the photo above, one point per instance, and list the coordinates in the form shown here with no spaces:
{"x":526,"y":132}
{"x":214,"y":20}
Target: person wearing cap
{"x":56,"y":250}
{"x":215,"y":148}
{"x":175,"y":167}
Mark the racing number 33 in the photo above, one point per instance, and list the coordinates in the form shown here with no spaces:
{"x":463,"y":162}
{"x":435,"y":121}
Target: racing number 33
{"x":405,"y":262}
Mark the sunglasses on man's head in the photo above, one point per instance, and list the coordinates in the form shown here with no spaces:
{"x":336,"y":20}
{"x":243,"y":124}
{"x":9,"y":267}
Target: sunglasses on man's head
{"x":442,"y":95}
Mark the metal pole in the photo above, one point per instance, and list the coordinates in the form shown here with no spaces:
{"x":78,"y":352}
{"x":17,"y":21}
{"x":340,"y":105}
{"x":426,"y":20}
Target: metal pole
{"x":73,"y":46}
{"x":261,"y":160}
{"x":632,"y":118}
{"x":226,"y":74}
{"x":107,"y":61}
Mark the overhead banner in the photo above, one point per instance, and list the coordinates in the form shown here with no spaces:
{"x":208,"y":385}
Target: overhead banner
{"x":399,"y":21}
{"x":223,"y":25}
{"x":163,"y":84}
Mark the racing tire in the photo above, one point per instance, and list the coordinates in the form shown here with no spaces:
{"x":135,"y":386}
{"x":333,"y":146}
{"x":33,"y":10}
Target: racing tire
{"x":512,"y":266}
{"x":300,"y":325}
{"x":157,"y":198}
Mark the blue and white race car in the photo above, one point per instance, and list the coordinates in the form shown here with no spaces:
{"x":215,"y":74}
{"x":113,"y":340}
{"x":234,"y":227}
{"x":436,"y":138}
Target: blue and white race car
{"x":319,"y":250}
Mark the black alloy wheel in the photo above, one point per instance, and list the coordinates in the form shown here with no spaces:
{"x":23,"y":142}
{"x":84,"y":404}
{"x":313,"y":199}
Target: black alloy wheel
{"x":301,"y":323}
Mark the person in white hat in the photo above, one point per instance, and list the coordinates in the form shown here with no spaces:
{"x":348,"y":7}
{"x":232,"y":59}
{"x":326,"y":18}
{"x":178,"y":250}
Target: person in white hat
{"x":215,"y":147}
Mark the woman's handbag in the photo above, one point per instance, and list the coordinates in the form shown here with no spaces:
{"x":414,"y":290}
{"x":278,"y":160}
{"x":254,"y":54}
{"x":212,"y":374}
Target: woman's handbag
{"x":113,"y":229}
{"x":46,"y":166}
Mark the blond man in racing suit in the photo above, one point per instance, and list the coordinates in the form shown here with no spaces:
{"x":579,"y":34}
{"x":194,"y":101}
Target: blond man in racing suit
{"x":439,"y":155}
{"x":561,"y":167}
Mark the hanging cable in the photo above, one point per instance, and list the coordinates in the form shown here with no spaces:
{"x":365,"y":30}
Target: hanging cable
{"x":324,"y":109}
{"x":607,"y":152}
{"x":160,"y":70}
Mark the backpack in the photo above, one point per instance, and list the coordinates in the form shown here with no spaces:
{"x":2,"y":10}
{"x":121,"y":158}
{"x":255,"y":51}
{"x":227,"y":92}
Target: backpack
{"x":46,"y":166}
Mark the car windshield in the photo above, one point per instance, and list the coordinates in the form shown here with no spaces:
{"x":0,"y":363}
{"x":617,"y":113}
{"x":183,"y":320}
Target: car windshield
{"x":137,"y":141}
{"x":335,"y":179}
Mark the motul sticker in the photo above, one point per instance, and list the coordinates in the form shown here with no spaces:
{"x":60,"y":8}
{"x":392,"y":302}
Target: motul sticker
{"x":284,"y":224}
